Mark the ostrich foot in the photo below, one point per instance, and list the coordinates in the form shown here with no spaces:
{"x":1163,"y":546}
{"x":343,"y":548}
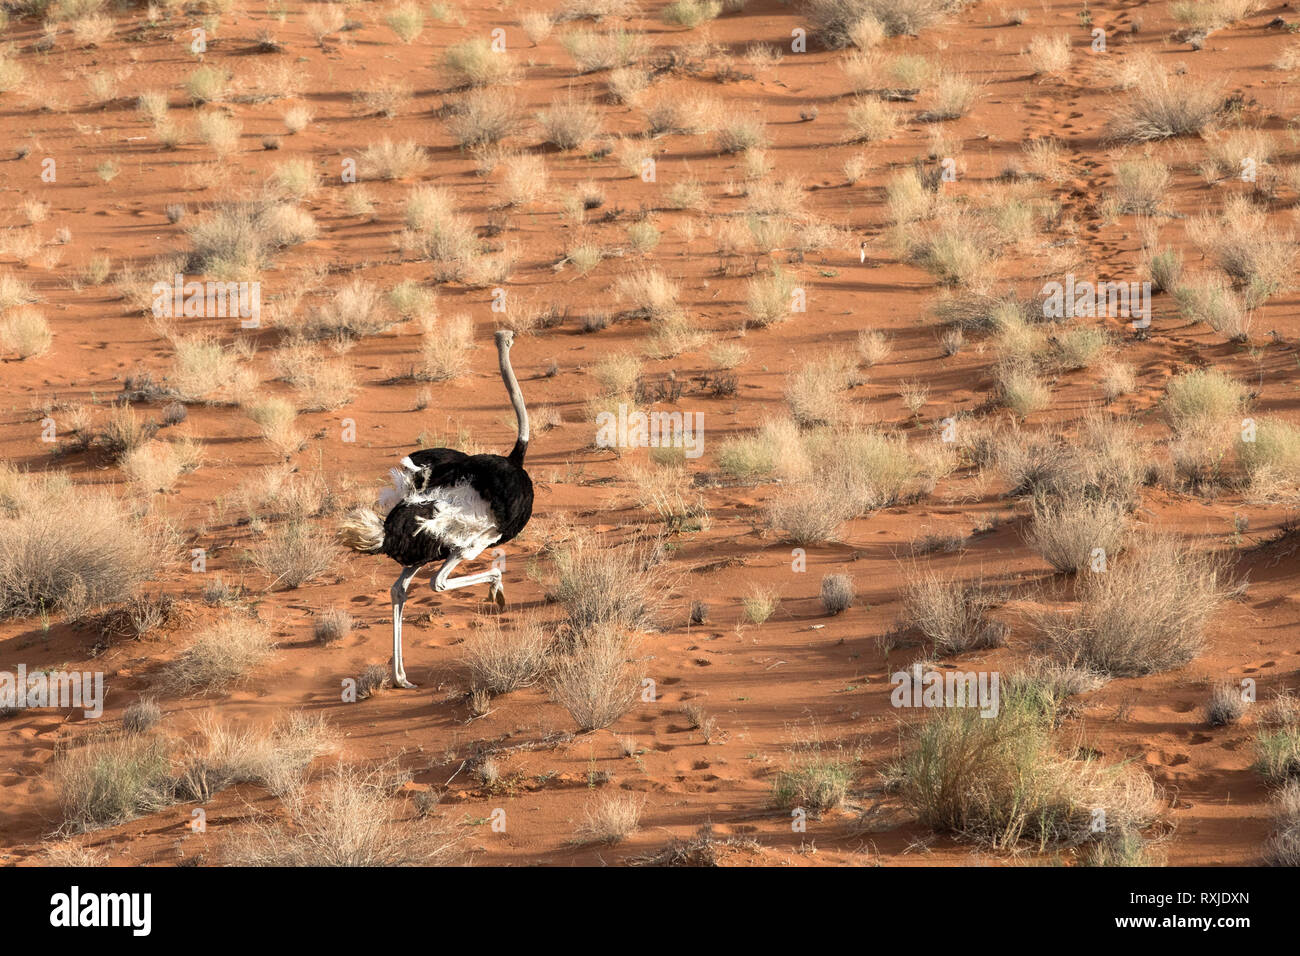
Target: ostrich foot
{"x":399,"y":680}
{"x":497,"y":593}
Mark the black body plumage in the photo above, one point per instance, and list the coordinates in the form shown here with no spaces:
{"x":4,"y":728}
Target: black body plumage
{"x":502,"y":483}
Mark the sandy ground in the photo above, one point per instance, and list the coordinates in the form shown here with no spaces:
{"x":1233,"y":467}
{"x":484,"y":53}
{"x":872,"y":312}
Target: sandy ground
{"x":767,"y":685}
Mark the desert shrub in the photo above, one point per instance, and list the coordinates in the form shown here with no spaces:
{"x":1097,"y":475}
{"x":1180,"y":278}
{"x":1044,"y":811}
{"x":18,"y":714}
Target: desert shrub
{"x":691,"y":13}
{"x":331,"y":626}
{"x":295,"y":554}
{"x":1142,"y":615}
{"x":1020,"y":388}
{"x":837,"y":593}
{"x":814,"y":392}
{"x":1202,"y":17}
{"x":141,"y":716}
{"x":295,"y":180}
{"x":956,"y":249}
{"x":473,"y":63}
{"x":1212,"y":301}
{"x":599,"y":585}
{"x":1101,"y":461}
{"x":14,"y":292}
{"x":406,"y":20}
{"x":1164,"y":268}
{"x":354,"y":820}
{"x":62,"y":550}
{"x":1068,"y":530}
{"x":594,"y":51}
{"x":840,"y":23}
{"x":818,"y":777}
{"x":1161,"y":105}
{"x":610,"y":818}
{"x":871,"y":468}
{"x":1277,"y":753}
{"x":595,"y":680}
{"x":1225,"y":706}
{"x":206,"y":370}
{"x":220,"y":133}
{"x":524,"y":178}
{"x":220,"y":656}
{"x":664,"y":490}
{"x":1000,"y":781}
{"x":354,"y":310}
{"x":871,"y":120}
{"x":437,"y":230}
{"x":237,"y":240}
{"x":110,"y":780}
{"x":124,"y":432}
{"x":443,"y":349}
{"x":651,"y":293}
{"x":776,"y":448}
{"x":1142,"y":185}
{"x":1048,"y":55}
{"x":1203,"y":397}
{"x":1044,"y":686}
{"x":1269,"y":455}
{"x":1283,"y":847}
{"x":483,"y":118}
{"x":569,"y":123}
{"x":740,"y":134}
{"x":24,"y":332}
{"x":768,"y":299}
{"x":388,"y":160}
{"x":501,"y":661}
{"x":226,"y":755}
{"x":952,"y":613}
{"x":156,"y":466}
{"x":207,"y":84}
{"x":808,"y":512}
{"x":1243,"y":242}
{"x":953,"y":96}
{"x":1080,"y":346}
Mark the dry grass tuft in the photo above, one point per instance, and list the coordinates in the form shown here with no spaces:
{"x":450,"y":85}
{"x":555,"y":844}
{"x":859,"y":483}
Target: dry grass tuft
{"x":596,"y":680}
{"x":64,"y":550}
{"x":113,"y":779}
{"x":354,"y":820}
{"x":25,"y":333}
{"x":502,"y":661}
{"x":1000,"y":781}
{"x":951,"y":613}
{"x":222,"y":655}
{"x":295,"y":554}
{"x":1161,"y":105}
{"x":1142,"y":615}
{"x":610,"y":818}
{"x":1069,"y":531}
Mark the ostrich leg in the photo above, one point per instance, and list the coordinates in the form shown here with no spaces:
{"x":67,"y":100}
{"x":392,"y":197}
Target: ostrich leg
{"x":399,"y":599}
{"x":443,"y":581}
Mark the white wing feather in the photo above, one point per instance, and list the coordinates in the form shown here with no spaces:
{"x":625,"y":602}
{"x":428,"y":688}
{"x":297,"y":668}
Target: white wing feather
{"x":463,"y":519}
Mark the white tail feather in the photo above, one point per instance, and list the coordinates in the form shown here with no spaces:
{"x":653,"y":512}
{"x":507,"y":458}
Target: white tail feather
{"x":362,"y":530}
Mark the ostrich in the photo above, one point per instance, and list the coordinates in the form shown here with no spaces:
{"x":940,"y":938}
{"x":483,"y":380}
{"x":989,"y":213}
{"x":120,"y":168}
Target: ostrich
{"x":447,"y":506}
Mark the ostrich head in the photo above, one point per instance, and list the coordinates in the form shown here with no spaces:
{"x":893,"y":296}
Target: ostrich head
{"x":505,"y":339}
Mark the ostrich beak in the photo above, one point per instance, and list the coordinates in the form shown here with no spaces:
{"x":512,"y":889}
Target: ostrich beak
{"x":505,"y":338}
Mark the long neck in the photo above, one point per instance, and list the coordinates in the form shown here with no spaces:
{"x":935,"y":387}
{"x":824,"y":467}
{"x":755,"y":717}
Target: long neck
{"x":521,"y":413}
